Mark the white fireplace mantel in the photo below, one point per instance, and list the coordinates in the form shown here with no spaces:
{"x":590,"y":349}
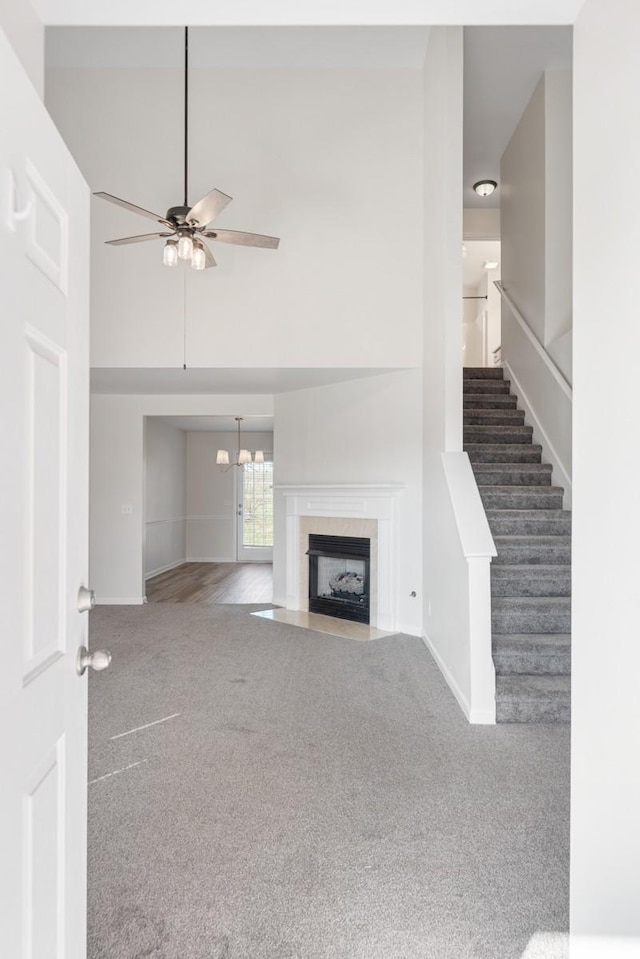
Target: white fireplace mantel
{"x":377,"y":502}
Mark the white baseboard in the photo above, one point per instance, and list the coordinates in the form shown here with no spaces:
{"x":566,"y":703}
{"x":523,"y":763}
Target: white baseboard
{"x":164,"y":569}
{"x":120,"y":600}
{"x":210,"y":559}
{"x":450,"y":681}
{"x":540,"y":435}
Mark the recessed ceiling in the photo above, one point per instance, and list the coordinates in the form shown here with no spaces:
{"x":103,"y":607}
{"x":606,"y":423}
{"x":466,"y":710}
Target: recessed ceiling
{"x":218,"y":424}
{"x":309,"y":12}
{"x":230,"y":381}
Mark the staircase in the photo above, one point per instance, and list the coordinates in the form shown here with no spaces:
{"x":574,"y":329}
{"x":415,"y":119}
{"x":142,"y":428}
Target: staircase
{"x":531,"y":575}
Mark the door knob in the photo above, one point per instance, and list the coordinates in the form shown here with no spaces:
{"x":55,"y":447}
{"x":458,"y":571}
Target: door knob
{"x":86,"y":599}
{"x":99,"y":660}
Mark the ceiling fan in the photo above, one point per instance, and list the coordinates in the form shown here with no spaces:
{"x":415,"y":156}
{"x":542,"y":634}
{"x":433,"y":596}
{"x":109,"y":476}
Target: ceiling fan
{"x":186,"y":227}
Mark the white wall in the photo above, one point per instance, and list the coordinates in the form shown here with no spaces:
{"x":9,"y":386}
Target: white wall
{"x":363,"y":431}
{"x":25,"y":33}
{"x":327,"y":159}
{"x":605,"y":789}
{"x":212,"y":494}
{"x":165,"y":469}
{"x":481,"y":224}
{"x":117,"y":480}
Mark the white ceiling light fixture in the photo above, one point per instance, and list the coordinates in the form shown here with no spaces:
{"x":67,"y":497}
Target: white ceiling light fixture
{"x":244,"y":456}
{"x":491,"y":264}
{"x":485,"y":187}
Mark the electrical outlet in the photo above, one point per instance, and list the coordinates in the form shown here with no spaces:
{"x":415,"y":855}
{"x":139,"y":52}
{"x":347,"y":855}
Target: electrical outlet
{"x":126,"y":509}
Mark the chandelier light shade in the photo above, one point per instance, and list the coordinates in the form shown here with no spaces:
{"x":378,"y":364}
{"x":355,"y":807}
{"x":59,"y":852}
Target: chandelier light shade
{"x":485,"y":187}
{"x":170,"y":253}
{"x":244,"y":456}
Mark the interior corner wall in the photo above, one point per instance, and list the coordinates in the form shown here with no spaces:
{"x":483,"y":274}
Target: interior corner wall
{"x":117,"y":486}
{"x":536,"y":209}
{"x":358,"y":432}
{"x":165,"y":468}
{"x":25,"y":33}
{"x":605,"y":735}
{"x":212,"y":494}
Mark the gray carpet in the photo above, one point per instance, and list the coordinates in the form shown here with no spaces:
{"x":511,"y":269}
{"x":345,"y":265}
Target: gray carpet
{"x":316,"y":798}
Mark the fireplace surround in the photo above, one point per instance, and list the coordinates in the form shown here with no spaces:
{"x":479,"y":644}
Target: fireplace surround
{"x":369,"y":511}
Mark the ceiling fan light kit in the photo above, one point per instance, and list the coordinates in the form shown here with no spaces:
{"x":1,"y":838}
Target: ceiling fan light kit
{"x":185,"y":226}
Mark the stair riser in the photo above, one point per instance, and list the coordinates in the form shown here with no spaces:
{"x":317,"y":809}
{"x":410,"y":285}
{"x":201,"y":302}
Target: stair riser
{"x":530,"y":584}
{"x":533,"y":555}
{"x":533,"y":711}
{"x":486,"y":386}
{"x":550,"y":619}
{"x":482,"y":373}
{"x":489,"y":453}
{"x":532,"y":662}
{"x":497,"y":401}
{"x":511,"y":435}
{"x":510,"y":526}
{"x":493,"y":417}
{"x":512,"y":477}
{"x":537,"y":498}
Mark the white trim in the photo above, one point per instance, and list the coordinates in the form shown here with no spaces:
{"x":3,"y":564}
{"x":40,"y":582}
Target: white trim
{"x":164,"y":569}
{"x":120,"y":600}
{"x":161,"y":522}
{"x":471,"y":519}
{"x":210,"y":559}
{"x":540,"y":434}
{"x":450,"y":681}
{"x":535,"y":342}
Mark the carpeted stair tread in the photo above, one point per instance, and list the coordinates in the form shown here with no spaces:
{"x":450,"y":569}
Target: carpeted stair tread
{"x":487,"y":387}
{"x":533,"y":698}
{"x":503,"y":452}
{"x":521,"y":497}
{"x":532,"y":654}
{"x":529,"y":522}
{"x":533,"y":579}
{"x":493,"y":417}
{"x":515,"y":474}
{"x":482,"y":373}
{"x":479,"y":433}
{"x":540,"y":614}
{"x":489,"y":401}
{"x":546,"y":550}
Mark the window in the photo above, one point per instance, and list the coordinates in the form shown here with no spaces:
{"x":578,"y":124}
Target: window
{"x":257,"y":504}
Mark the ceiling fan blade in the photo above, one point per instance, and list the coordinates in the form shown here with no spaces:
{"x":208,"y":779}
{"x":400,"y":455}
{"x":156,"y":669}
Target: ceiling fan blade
{"x":137,"y":239}
{"x":134,"y":209}
{"x":208,"y":208}
{"x":208,"y":257}
{"x":244,"y":239}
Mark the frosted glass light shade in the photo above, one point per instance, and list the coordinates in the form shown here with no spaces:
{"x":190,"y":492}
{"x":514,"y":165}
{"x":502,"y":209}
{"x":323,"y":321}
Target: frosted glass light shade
{"x":258,"y":456}
{"x":198,"y":261}
{"x":170,"y":253}
{"x":185,"y":247}
{"x":222,"y":459}
{"x":244,"y":457}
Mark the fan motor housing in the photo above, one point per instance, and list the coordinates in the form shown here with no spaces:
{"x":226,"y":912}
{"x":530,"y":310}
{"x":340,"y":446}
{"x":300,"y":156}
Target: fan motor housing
{"x":178,"y":213}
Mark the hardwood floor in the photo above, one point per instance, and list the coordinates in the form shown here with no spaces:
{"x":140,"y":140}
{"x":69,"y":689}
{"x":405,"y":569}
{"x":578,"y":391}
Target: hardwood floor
{"x":211,"y":583}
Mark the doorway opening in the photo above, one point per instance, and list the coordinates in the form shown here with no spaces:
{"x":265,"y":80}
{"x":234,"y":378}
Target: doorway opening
{"x":481,"y":342}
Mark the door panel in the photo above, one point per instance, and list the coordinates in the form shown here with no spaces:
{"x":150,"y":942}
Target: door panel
{"x":255,"y":513}
{"x":44,"y":279}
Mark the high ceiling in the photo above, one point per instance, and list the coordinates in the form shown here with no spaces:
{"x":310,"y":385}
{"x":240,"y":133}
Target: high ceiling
{"x":307,"y":12}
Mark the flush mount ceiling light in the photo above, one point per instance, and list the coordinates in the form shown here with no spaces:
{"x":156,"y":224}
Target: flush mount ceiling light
{"x":244,"y":456}
{"x":185,"y":226}
{"x":491,"y":264}
{"x":485,"y":187}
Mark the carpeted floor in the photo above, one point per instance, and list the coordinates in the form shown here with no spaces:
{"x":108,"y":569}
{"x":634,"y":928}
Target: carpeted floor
{"x":314,"y":798}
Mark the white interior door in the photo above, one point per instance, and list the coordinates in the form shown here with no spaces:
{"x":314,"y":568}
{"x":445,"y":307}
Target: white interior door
{"x":255,"y":512}
{"x":44,"y":279}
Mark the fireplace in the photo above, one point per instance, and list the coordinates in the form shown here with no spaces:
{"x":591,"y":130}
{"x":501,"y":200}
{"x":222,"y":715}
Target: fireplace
{"x":339,"y":576}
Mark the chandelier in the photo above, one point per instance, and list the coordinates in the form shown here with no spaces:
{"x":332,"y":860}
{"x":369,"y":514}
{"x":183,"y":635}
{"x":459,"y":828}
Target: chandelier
{"x":244,"y":456}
